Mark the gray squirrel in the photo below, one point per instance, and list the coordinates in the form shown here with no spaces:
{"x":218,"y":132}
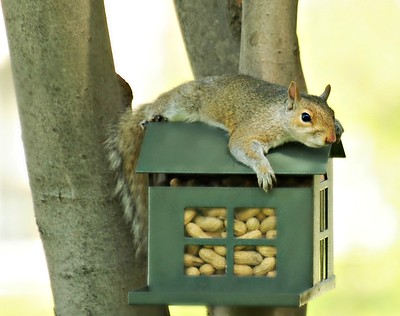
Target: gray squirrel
{"x":256,"y":114}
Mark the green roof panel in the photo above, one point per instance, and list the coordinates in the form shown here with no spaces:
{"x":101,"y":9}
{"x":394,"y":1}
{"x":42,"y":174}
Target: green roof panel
{"x":196,"y":148}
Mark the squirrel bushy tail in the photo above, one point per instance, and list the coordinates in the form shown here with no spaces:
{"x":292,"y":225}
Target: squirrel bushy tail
{"x":124,"y":142}
{"x":123,"y":146}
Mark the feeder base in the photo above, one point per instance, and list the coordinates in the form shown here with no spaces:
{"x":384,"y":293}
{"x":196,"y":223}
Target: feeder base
{"x":145,"y":296}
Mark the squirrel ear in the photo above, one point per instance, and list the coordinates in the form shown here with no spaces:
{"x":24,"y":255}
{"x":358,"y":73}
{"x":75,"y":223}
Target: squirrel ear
{"x":324,"y":96}
{"x":294,"y":94}
{"x":293,"y":91}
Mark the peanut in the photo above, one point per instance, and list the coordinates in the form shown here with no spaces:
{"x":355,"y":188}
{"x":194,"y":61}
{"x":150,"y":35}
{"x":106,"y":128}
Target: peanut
{"x":251,"y":258}
{"x":271,"y":274}
{"x":267,"y":264}
{"x":195,"y":231}
{"x":243,"y":214}
{"x":208,"y":223}
{"x":252,"y":224}
{"x":214,"y":212}
{"x":192,"y":261}
{"x":207,"y":269}
{"x":192,"y":271}
{"x":215,"y":234}
{"x":267,"y":251}
{"x":254,"y":234}
{"x":175,"y":182}
{"x":239,"y":227}
{"x":242,"y":270}
{"x":268,"y":211}
{"x":268,"y":224}
{"x":188,"y":215}
{"x":271,"y":234}
{"x":211,"y":257}
{"x":221,"y":250}
{"x":192,"y":249}
{"x":261,"y":216}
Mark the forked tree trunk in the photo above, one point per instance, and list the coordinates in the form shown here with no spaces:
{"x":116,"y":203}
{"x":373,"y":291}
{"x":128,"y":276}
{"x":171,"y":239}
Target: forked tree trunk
{"x":67,"y":94}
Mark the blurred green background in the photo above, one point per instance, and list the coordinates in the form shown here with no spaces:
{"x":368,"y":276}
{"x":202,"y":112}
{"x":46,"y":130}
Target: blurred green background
{"x":352,"y":44}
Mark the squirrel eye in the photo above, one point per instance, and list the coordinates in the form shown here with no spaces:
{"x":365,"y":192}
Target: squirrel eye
{"x":305,"y":117}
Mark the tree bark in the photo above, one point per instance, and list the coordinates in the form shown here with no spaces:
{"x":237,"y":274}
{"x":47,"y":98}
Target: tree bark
{"x":211,"y":32}
{"x":269,"y":46}
{"x":67,"y":94}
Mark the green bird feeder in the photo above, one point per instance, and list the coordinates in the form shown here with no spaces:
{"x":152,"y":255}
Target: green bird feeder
{"x":216,"y":238}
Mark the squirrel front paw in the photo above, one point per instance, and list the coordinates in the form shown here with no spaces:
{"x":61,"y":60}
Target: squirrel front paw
{"x":155,"y":118}
{"x":265,"y":176}
{"x":338,"y":130}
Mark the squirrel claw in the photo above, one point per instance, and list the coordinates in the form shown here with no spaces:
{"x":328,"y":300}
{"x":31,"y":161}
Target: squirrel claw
{"x":159,"y":118}
{"x":266,"y":180}
{"x":143,"y":124}
{"x":265,"y":175}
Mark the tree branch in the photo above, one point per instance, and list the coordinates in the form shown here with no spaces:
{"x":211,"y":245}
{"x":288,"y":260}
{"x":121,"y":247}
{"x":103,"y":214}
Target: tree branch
{"x":211,"y":31}
{"x":270,"y":49}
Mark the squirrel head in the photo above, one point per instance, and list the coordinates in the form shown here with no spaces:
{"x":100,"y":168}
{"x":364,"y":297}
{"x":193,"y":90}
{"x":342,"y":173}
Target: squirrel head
{"x":312,"y":120}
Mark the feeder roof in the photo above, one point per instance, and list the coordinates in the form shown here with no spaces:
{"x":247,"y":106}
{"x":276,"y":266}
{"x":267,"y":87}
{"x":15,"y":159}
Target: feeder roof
{"x":197,"y":148}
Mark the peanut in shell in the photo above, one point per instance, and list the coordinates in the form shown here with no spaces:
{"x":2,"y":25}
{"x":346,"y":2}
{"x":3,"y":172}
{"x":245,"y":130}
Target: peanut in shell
{"x":266,"y":265}
{"x":268,"y":223}
{"x":209,"y":223}
{"x":243,"y":214}
{"x":192,"y":261}
{"x":211,"y":257}
{"x":195,"y":231}
{"x":242,"y":270}
{"x":192,"y":271}
{"x":251,"y":258}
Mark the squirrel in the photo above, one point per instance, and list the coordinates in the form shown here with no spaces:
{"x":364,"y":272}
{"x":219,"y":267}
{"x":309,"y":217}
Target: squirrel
{"x":256,"y":114}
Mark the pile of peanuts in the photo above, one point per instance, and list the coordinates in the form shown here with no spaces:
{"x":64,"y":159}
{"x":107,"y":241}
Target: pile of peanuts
{"x":249,"y":223}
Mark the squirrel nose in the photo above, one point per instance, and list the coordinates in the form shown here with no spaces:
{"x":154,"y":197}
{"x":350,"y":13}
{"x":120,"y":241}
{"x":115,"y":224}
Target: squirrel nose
{"x":330,"y":139}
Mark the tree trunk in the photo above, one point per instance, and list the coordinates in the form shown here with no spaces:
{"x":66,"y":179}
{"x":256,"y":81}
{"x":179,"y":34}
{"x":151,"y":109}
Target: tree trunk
{"x":67,"y":94}
{"x":211,"y":32}
{"x":269,"y":50}
{"x":269,"y":46}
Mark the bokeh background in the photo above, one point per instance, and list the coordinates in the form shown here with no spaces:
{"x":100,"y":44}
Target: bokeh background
{"x":352,"y":44}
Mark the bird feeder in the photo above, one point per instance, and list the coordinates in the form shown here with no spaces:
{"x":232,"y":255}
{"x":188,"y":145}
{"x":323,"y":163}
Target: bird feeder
{"x":216,"y":238}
